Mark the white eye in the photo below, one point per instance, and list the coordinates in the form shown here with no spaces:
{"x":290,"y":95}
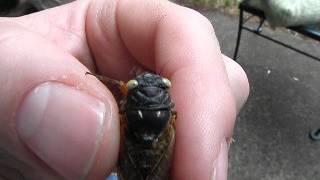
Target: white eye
{"x":166,"y":82}
{"x":132,"y":84}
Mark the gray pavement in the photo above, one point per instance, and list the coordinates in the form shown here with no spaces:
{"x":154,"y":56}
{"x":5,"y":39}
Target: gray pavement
{"x":271,"y":132}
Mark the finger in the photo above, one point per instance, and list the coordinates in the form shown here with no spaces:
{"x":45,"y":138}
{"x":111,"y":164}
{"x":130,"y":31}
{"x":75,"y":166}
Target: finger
{"x":117,"y":60}
{"x":55,"y":120}
{"x":153,"y":37}
{"x":221,"y":163}
{"x":76,"y":26}
{"x":69,"y":34}
{"x":180,"y":43}
{"x":64,"y":26}
{"x":113,"y":58}
{"x":72,"y":38}
{"x":238,"y":82}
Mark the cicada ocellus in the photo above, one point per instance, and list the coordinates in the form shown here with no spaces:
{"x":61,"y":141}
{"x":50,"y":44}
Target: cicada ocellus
{"x":147,"y":127}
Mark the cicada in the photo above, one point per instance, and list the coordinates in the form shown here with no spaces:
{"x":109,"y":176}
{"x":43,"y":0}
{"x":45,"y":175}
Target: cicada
{"x":147,"y":127}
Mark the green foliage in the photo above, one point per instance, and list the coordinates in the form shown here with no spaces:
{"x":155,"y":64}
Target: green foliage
{"x":213,"y":3}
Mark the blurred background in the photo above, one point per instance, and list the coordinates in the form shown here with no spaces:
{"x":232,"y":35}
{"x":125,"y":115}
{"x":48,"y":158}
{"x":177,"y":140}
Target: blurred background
{"x":272,"y":131}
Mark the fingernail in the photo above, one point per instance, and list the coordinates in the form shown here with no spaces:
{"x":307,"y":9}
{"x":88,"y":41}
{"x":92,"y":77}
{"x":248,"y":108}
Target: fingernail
{"x":62,"y":126}
{"x":221,"y":164}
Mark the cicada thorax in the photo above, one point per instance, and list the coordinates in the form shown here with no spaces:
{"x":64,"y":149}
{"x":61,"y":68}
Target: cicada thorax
{"x":147,"y":126}
{"x":147,"y":129}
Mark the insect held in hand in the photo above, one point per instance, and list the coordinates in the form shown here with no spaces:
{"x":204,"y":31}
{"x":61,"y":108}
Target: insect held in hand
{"x":147,"y":127}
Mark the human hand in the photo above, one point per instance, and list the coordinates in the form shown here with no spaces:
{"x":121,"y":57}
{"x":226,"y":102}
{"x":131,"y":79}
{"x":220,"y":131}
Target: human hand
{"x":58,"y":123}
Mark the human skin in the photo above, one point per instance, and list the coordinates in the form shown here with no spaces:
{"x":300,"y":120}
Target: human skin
{"x":58,"y":123}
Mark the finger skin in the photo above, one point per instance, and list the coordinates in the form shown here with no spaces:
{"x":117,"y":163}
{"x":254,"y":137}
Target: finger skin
{"x":70,"y":34}
{"x":179,"y":43}
{"x":238,"y":82}
{"x":65,"y":27}
{"x":31,"y":62}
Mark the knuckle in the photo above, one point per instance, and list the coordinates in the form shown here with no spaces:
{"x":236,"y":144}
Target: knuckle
{"x":8,"y":31}
{"x":198,"y":19}
{"x":241,"y":78}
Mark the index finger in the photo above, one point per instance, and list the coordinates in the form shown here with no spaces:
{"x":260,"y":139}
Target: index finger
{"x":179,"y":43}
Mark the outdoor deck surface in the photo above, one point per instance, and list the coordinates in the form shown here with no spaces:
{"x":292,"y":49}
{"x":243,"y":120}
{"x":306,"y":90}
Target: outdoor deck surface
{"x":271,"y":132}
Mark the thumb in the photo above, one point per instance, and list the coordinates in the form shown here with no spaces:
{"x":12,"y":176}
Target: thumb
{"x":55,"y":120}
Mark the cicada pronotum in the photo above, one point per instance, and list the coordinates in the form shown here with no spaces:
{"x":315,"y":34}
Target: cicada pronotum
{"x":147,"y":127}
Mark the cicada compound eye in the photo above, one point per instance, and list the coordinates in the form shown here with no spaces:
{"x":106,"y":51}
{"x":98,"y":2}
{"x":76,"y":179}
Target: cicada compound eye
{"x":132,"y":84}
{"x":166,"y":82}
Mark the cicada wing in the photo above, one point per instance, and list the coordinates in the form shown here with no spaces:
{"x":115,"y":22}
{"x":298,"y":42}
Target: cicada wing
{"x":130,"y":163}
{"x":162,"y":170}
{"x":127,"y":169}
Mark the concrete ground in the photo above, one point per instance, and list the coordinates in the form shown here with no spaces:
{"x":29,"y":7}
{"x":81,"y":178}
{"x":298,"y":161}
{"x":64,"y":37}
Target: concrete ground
{"x":272,"y":130}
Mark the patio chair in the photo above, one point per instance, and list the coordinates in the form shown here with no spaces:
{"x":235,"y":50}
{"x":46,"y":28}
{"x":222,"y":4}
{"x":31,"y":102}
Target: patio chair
{"x":308,"y":31}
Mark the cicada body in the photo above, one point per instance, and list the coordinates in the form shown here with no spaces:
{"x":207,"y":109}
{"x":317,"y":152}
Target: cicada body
{"x":147,"y":162}
{"x":147,"y":128}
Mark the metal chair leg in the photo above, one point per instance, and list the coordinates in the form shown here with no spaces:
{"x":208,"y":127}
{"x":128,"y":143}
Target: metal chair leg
{"x":239,"y":35}
{"x":259,"y":28}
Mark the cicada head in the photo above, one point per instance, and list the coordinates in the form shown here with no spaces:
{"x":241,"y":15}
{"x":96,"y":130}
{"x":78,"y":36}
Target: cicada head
{"x":148,"y":107}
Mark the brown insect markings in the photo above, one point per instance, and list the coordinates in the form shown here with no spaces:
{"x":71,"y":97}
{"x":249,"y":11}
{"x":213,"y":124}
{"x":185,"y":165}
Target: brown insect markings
{"x":148,"y":162}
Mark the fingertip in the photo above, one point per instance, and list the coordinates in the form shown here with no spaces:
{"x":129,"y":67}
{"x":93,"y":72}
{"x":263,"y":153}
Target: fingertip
{"x":238,"y":81}
{"x":221,"y":163}
{"x":63,"y":118}
{"x":107,"y":154}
